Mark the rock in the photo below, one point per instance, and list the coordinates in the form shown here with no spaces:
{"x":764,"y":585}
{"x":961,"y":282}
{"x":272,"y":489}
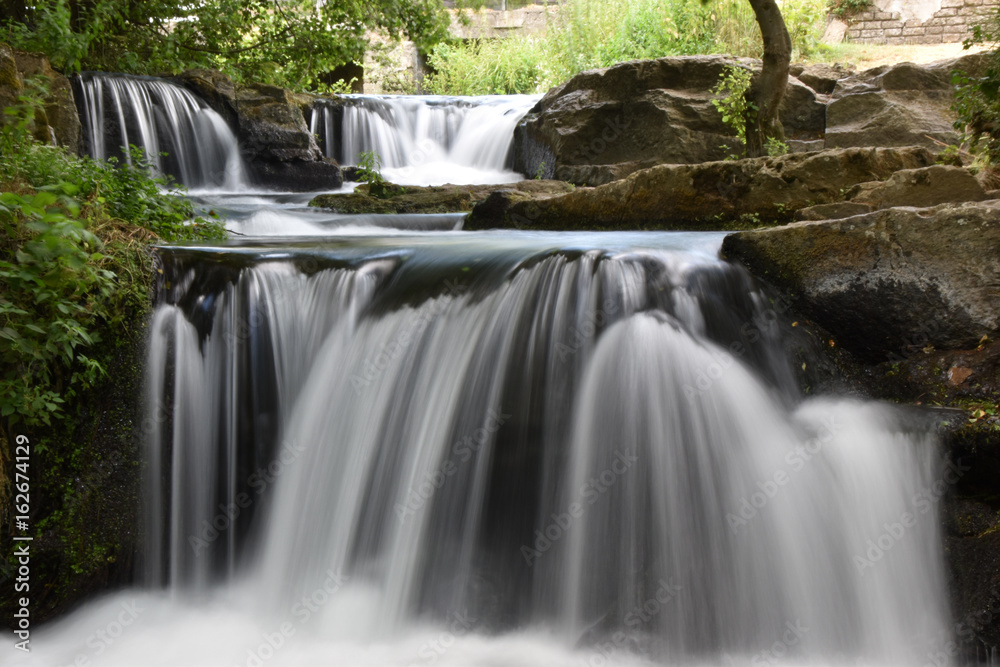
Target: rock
{"x":655,"y":111}
{"x":919,"y":372}
{"x":272,"y":127}
{"x":894,"y":105}
{"x":11,"y":81}
{"x":834,"y":211}
{"x":433,"y":199}
{"x":352,"y":174}
{"x":599,"y":174}
{"x":487,"y":212}
{"x":437,"y":199}
{"x":821,"y":78}
{"x":61,"y":115}
{"x":878,"y":280}
{"x":714,"y":195}
{"x":217,"y":89}
{"x":269,"y":123}
{"x":835,"y":31}
{"x":927,"y":186}
{"x":795,"y":146}
{"x":297,"y":175}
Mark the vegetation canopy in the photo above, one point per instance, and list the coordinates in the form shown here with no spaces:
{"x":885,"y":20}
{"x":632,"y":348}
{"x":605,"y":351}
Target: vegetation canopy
{"x":285,"y":42}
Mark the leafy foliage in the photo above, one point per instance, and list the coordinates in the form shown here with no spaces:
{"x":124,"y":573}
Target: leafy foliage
{"x":977,"y":95}
{"x":370,"y":167}
{"x":587,"y":34}
{"x":848,"y":8}
{"x":285,"y":42}
{"x":732,"y":102}
{"x":59,"y":280}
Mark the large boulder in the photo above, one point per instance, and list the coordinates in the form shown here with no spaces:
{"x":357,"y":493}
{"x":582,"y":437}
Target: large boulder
{"x":715,"y":195}
{"x":274,"y":138}
{"x":60,"y":113}
{"x":896,"y":105}
{"x":640,"y":113}
{"x":877,"y":281}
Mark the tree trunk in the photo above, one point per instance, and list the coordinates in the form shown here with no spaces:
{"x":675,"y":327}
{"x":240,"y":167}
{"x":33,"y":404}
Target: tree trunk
{"x":769,"y":88}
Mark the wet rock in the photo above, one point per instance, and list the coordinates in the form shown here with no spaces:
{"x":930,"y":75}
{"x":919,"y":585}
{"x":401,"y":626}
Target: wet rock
{"x":297,"y":175}
{"x":876,"y":281}
{"x":217,"y":89}
{"x":269,"y":123}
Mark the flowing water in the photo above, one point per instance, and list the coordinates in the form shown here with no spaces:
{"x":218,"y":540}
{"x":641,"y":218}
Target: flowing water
{"x":425,"y":140}
{"x":178,"y":133}
{"x":391,"y":442}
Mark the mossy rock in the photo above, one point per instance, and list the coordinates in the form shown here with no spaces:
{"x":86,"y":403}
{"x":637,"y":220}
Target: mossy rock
{"x":394,"y":198}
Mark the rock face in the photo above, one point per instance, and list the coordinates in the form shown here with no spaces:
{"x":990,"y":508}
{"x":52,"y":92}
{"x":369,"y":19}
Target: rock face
{"x":11,"y":81}
{"x":58,"y":120}
{"x":642,"y":112}
{"x":879,"y":280}
{"x":272,"y":131}
{"x":895,"y":105}
{"x":604,"y":124}
{"x":60,"y":110}
{"x":715,"y":195}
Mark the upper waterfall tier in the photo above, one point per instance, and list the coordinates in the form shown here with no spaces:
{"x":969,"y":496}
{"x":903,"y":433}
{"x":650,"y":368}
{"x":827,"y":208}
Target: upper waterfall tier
{"x":179,"y":134}
{"x":424,"y":139}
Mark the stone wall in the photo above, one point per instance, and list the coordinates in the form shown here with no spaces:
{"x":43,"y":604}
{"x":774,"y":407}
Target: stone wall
{"x":920,"y":22}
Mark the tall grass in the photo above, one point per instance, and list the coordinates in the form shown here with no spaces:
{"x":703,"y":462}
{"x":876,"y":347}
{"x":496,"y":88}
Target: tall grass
{"x":587,"y":34}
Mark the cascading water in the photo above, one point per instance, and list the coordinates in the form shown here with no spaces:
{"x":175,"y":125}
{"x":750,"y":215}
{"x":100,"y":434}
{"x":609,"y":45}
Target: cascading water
{"x":179,"y":134}
{"x":557,"y":449}
{"x":514,"y":448}
{"x":424,"y":140}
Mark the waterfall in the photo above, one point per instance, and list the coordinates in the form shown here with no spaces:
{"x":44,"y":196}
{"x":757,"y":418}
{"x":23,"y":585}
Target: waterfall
{"x":179,"y":134}
{"x":425,"y":139}
{"x":536,"y":449}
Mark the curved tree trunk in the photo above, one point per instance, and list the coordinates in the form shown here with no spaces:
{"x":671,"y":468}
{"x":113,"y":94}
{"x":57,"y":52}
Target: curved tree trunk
{"x":769,"y":88}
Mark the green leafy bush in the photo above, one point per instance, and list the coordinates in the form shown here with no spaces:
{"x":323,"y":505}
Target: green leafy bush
{"x":977,"y":95}
{"x":290,"y":43}
{"x":848,"y":8}
{"x":72,"y":230}
{"x":731,"y":100}
{"x":587,"y":34}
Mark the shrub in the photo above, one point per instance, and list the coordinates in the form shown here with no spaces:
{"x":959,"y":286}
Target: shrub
{"x":588,"y":34}
{"x":977,"y":95}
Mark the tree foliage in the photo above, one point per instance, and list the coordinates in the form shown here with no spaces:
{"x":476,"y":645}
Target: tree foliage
{"x":977,"y":94}
{"x":288,"y":42}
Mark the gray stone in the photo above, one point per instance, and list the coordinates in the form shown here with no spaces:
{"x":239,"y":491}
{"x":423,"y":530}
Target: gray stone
{"x":716,"y":195}
{"x":878,"y":281}
{"x":832,"y":211}
{"x":926,"y":186}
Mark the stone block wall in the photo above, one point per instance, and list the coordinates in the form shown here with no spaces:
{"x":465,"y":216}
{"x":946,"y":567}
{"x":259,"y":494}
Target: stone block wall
{"x":941,"y":21}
